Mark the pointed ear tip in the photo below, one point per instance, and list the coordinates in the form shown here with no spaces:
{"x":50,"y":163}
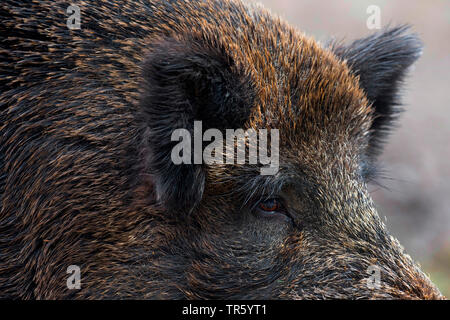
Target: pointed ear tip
{"x":400,"y":39}
{"x":416,"y":47}
{"x":408,"y":38}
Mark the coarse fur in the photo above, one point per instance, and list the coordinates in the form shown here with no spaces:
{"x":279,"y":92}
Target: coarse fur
{"x":86,"y":177}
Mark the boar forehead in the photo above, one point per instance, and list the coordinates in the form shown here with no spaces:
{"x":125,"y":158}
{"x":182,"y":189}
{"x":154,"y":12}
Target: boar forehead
{"x":299,"y":87}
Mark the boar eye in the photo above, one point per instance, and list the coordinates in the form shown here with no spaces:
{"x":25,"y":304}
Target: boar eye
{"x":269,"y":205}
{"x":272,"y":209}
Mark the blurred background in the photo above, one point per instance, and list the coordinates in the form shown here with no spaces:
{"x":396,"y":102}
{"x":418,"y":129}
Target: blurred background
{"x":415,"y":199}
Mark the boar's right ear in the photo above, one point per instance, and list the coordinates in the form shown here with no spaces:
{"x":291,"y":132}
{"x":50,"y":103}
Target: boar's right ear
{"x":381,"y":61}
{"x":187,"y":81}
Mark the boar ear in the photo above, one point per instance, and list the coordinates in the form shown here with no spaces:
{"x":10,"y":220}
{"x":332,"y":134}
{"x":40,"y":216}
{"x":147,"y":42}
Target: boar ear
{"x":187,"y":81}
{"x":381,"y":62}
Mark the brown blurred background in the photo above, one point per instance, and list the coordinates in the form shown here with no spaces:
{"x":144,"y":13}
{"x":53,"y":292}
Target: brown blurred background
{"x":416,"y":197}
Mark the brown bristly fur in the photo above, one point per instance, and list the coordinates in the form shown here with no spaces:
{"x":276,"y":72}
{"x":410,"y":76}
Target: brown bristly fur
{"x":85,"y":174}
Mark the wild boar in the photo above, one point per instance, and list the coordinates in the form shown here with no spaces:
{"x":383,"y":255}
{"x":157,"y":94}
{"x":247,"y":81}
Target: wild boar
{"x":87,"y":178}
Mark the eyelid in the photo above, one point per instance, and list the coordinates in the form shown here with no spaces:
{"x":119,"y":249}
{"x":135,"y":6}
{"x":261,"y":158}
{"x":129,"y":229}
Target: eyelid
{"x":253,"y":204}
{"x":279,"y":214}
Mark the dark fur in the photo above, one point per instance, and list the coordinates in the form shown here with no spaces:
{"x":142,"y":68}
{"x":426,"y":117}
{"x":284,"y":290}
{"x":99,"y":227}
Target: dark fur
{"x":381,"y":61}
{"x":186,"y":82}
{"x":85,"y":172}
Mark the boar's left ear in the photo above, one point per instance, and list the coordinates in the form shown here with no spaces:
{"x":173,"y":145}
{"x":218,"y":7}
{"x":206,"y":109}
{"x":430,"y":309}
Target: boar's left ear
{"x":187,"y":80}
{"x":381,"y":61}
